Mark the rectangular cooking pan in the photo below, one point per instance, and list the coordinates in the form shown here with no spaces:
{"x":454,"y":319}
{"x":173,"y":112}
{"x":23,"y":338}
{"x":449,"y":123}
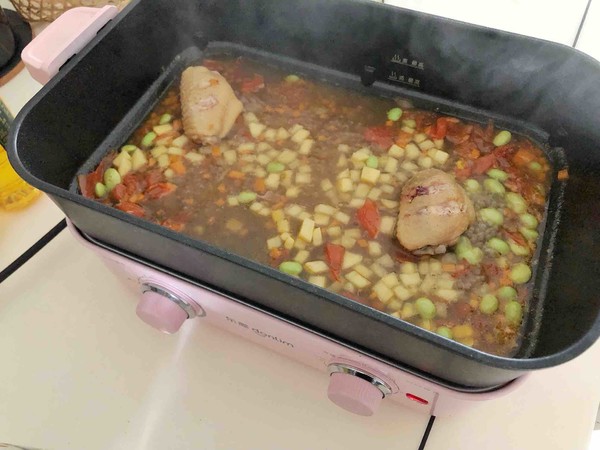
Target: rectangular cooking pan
{"x":551,"y":87}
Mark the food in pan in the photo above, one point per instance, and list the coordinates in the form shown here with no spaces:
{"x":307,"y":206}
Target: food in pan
{"x":430,"y":218}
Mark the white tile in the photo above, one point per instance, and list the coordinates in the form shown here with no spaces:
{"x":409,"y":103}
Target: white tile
{"x":589,"y":39}
{"x":553,"y":20}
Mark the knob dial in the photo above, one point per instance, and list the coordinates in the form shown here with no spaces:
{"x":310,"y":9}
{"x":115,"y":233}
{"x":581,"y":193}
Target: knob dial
{"x":162,"y":309}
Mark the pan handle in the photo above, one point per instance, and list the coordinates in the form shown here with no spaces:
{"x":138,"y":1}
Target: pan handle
{"x":63,"y":38}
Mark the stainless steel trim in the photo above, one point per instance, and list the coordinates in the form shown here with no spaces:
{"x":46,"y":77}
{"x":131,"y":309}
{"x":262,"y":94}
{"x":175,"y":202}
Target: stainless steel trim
{"x":191,"y":310}
{"x":375,"y":381}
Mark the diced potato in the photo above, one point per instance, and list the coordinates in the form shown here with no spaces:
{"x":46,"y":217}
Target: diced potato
{"x":286,"y":178}
{"x":303,"y":178}
{"x":362,"y":190}
{"x":284,"y":236}
{"x":351,"y":259}
{"x":256,"y":129}
{"x":289,"y":243}
{"x":169,"y":174}
{"x":155,"y":152}
{"x":342,"y":161}
{"x":357,"y":280}
{"x":248,"y":158}
{"x":318,"y":281}
{"x":412,"y":151}
{"x":374,"y":193}
{"x":389,"y":204}
{"x":126,"y":166}
{"x":282,"y":134}
{"x":418,"y":138}
{"x":446,"y":282}
{"x":428,"y":284}
{"x":272,"y":181}
{"x":423,"y":267}
{"x":426,"y":145}
{"x":402,"y":293}
{"x":317,"y":238}
{"x":163,"y":161}
{"x":270,"y":135}
{"x":343,"y":174}
{"x":435,"y":266}
{"x":374,"y":248}
{"x":265,"y":212}
{"x":300,"y":135}
{"x":395,"y":305}
{"x":325,"y":209}
{"x":180,"y":141}
{"x":274,"y":242}
{"x":233,"y":200}
{"x":293,"y":210}
{"x":408,"y":311}
{"x":250,"y":117}
{"x":356,"y":203}
{"x":378,"y":270}
{"x":343,"y":148}
{"x":301,"y":256}
{"x":386,"y":261}
{"x":441,"y":157}
{"x":361,"y":155}
{"x":342,"y":217}
{"x":348,"y":242}
{"x":287,"y":156}
{"x":439,"y":143}
{"x":408,"y":130}
{"x":316,"y":267}
{"x":194,"y":157}
{"x":462,"y":331}
{"x":306,"y":147}
{"x":410,"y":279}
{"x":408,"y":267}
{"x":321,"y":219}
{"x":174,"y":151}
{"x":349,"y":287}
{"x":326,"y":185}
{"x":409,"y":166}
{"x":425,"y":162}
{"x":390,"y":280}
{"x":230,"y":156}
{"x":162,"y":129}
{"x":387,"y":225}
{"x":306,"y":230}
{"x":391,"y":166}
{"x":383,"y":293}
{"x":355,"y":175}
{"x":396,"y":152}
{"x":450,"y":295}
{"x":256,"y":206}
{"x":363,"y":270}
{"x":138,"y":159}
{"x":345,"y":185}
{"x":295,"y":128}
{"x":263,"y":159}
{"x":369,"y":175}
{"x":277,"y":215}
{"x":300,"y":244}
{"x":283,"y":226}
{"x":386,"y":178}
{"x":304,"y":215}
{"x":334,"y":232}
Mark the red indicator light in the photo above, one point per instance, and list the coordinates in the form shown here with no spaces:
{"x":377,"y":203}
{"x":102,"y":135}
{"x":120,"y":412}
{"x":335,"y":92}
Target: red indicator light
{"x":414,"y":398}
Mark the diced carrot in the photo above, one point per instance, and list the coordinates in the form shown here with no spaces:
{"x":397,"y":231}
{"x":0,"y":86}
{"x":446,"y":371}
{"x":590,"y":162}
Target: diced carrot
{"x":216,"y":151}
{"x":136,"y":198}
{"x":221,"y":188}
{"x":236,"y":175}
{"x":362,"y":243}
{"x":403,"y":138}
{"x":178,"y":167}
{"x":483,"y":164}
{"x":449,"y":267}
{"x":389,"y":123}
{"x":523,"y":157}
{"x":259,"y":185}
{"x":275,"y":253}
{"x":563,"y":174}
{"x":177,"y":125}
{"x":220,"y":202}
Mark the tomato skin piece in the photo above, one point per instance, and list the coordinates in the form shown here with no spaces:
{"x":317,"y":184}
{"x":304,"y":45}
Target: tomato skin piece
{"x":334,"y":255}
{"x":159,"y":190}
{"x":131,"y":208}
{"x":254,"y":84}
{"x":381,"y":135}
{"x":483,"y":164}
{"x":439,"y":130}
{"x":369,"y":218}
{"x":118,"y":193}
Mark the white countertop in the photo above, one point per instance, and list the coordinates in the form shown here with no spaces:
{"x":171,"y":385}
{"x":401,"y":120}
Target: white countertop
{"x":79,"y":371}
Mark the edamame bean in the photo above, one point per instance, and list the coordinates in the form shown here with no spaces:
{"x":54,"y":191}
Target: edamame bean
{"x":472,"y":185}
{"x":499,"y":245}
{"x":275,"y":167}
{"x":425,"y":308}
{"x":165,"y":118}
{"x":507,"y":293}
{"x":148,"y":140}
{"x":111,"y":178}
{"x":502,"y":138}
{"x":515,"y":202}
{"x":372,"y":162}
{"x":394,"y":114}
{"x":497,"y":174}
{"x":291,"y":267}
{"x":513,"y":312}
{"x":100,"y":190}
{"x":491,"y":216}
{"x":488,"y":304}
{"x":530,"y":235}
{"x":246,"y":197}
{"x":292,"y":78}
{"x":493,"y":186}
{"x":519,"y":250}
{"x":473,"y":255}
{"x":444,"y":331}
{"x":529,"y":221}
{"x":129,"y":148}
{"x":520,"y":273}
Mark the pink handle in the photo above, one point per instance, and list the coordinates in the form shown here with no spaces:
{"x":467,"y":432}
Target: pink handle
{"x":354,"y":394}
{"x":160,"y":312}
{"x":63,"y":38}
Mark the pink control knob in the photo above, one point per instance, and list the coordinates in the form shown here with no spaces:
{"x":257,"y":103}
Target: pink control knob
{"x":354,"y":394}
{"x":160,"y":312}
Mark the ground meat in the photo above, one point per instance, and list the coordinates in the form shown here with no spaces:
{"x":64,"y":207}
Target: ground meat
{"x":469,"y":279}
{"x":480,"y":232}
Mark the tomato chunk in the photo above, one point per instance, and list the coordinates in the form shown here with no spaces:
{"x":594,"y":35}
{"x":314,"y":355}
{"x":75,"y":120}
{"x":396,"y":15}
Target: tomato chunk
{"x":131,"y":208}
{"x":369,"y":218}
{"x":334,"y":255}
{"x":159,"y":190}
{"x":381,"y":135}
{"x":254,"y":84}
{"x":483,"y":164}
{"x":439,"y":129}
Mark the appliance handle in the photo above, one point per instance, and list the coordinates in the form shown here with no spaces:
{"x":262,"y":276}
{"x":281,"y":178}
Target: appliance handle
{"x":63,"y":38}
